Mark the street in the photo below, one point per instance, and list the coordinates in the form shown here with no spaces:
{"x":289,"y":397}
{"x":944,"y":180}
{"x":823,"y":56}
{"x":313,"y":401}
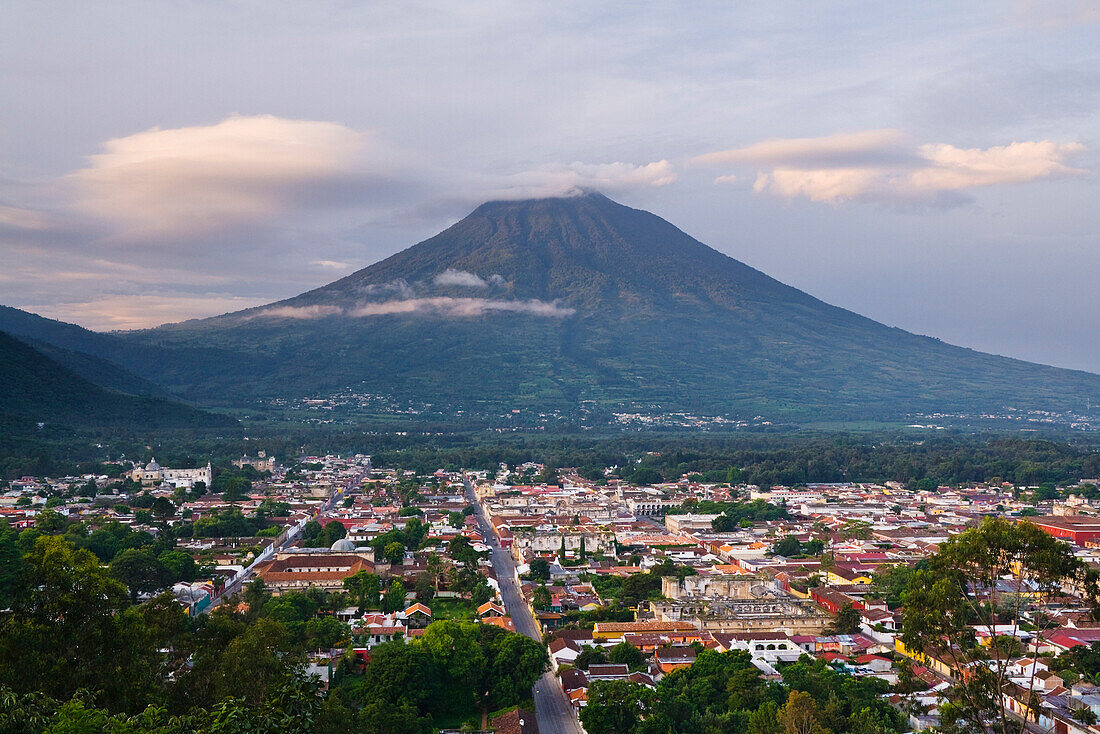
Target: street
{"x":552,"y":708}
{"x":238,"y":583}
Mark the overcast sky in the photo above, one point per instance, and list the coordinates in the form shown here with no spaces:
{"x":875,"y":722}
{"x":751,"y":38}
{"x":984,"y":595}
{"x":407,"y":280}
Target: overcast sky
{"x":930,"y":165}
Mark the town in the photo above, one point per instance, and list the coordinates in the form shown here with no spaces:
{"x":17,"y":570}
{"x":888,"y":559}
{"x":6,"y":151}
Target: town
{"x":624,"y":582}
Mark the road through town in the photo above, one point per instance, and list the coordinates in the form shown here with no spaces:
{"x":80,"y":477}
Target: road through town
{"x":552,"y":708}
{"x":289,"y":539}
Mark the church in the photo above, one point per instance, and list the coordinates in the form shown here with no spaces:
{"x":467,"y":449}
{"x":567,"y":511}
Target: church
{"x":185,"y":478}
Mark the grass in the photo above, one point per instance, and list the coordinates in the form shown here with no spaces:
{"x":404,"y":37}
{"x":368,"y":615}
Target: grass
{"x":460,"y":609}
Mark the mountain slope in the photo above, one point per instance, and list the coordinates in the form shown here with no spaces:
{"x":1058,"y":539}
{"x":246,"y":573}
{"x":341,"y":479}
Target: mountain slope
{"x":35,"y":387}
{"x":544,"y":304}
{"x":110,"y":361}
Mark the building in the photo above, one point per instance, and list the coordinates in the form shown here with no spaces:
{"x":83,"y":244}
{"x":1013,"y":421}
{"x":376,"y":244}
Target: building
{"x":298,"y":571}
{"x":153,"y":473}
{"x":1077,"y":529}
{"x":261,"y":463}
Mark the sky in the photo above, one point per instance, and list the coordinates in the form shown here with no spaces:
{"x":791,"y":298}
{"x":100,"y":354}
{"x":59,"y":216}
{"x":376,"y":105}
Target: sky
{"x":930,"y":165}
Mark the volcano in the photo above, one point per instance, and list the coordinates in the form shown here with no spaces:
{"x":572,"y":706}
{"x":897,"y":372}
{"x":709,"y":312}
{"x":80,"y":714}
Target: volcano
{"x":554,"y":304}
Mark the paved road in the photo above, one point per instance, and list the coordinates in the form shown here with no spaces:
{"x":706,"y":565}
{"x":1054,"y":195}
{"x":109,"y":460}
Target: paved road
{"x":552,"y":707}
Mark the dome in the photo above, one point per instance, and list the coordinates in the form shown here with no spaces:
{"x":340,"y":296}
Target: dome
{"x":343,"y":545}
{"x":152,"y":465}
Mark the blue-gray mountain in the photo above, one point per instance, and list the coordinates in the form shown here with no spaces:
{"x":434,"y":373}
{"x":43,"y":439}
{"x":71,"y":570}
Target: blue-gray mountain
{"x":551,"y":303}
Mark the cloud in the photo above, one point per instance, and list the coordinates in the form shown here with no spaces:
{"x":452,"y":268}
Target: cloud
{"x":299,"y":312}
{"x":22,"y":219}
{"x":955,"y":168}
{"x":440,"y":306}
{"x":142,"y":311}
{"x":461,"y":307}
{"x":577,"y":178}
{"x":1055,"y":14}
{"x":331,"y":264}
{"x":191,"y":180}
{"x":451,"y":276}
{"x":866,"y":147}
{"x":883,"y":165}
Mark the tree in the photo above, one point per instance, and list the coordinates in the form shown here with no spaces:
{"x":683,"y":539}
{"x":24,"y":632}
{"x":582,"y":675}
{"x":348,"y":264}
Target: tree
{"x":626,"y":654}
{"x":541,"y":598}
{"x":461,"y":551}
{"x":765,"y":720}
{"x":395,"y":597}
{"x":966,"y":585}
{"x":384,"y":717}
{"x":590,"y":655}
{"x":615,"y":707}
{"x":425,"y":592}
{"x":858,"y":529}
{"x":178,"y":566}
{"x":482,"y":592}
{"x":394,"y":553}
{"x":435,"y":569}
{"x":140,"y":571}
{"x":847,"y":621}
{"x":799,"y":715}
{"x":163,"y":508}
{"x":539,"y":569}
{"x":645,"y":476}
{"x":11,"y":563}
{"x":360,"y":585}
{"x":69,"y":627}
{"x":788,"y":546}
{"x":50,"y":522}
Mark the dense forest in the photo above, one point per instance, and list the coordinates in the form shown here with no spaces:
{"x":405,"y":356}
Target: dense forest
{"x":769,"y":459}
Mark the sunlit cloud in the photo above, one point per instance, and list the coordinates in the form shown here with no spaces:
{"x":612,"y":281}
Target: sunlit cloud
{"x":22,"y":219}
{"x":141,"y":311}
{"x":191,"y":180}
{"x":1055,"y":14}
{"x":883,"y":165}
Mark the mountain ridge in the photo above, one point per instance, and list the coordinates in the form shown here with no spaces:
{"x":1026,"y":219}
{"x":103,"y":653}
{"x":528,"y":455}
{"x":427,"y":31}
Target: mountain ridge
{"x":34,"y":386}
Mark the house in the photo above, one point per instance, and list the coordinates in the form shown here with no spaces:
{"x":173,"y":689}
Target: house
{"x":841,"y":575}
{"x":832,"y":600}
{"x":770,"y":647}
{"x":321,"y":569}
{"x":489,"y":609}
{"x":616,"y":630}
{"x":504,"y":623}
{"x":517,"y":721}
{"x":675,"y":657}
{"x":417,"y":616}
{"x":608,"y":672}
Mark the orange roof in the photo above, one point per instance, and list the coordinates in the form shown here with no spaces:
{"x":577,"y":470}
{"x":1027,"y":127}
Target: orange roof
{"x":502,"y":622}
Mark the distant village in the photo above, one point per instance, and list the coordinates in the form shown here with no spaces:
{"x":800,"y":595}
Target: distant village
{"x":600,"y":567}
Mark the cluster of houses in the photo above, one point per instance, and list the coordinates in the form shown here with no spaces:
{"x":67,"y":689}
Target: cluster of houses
{"x":770,"y":587}
{"x":741,"y":594}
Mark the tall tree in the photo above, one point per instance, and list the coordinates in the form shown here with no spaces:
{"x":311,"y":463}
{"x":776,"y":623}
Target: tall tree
{"x":140,"y":571}
{"x":615,"y":707}
{"x":395,"y":597}
{"x":799,"y":715}
{"x":982,"y":577}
